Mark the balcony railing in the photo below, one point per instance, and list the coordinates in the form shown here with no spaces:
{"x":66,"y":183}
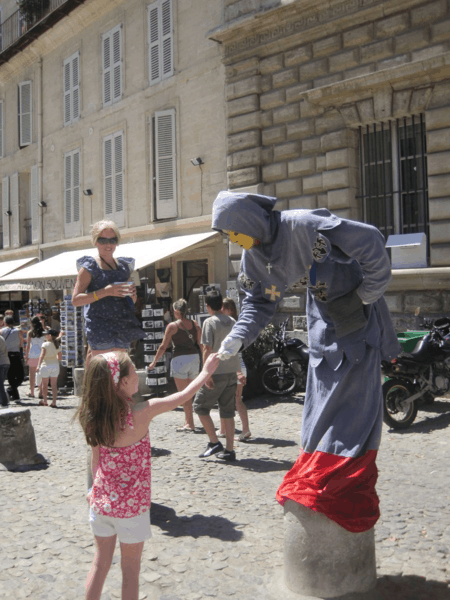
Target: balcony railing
{"x":27,"y":23}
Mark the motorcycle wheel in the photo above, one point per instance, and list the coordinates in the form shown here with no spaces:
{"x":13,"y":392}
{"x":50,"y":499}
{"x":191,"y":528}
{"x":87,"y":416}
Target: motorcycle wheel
{"x":301,"y":374}
{"x":278,"y":380}
{"x":395,"y":391}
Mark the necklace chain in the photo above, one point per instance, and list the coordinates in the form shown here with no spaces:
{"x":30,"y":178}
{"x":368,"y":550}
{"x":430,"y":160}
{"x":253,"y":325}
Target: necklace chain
{"x":107,"y":263}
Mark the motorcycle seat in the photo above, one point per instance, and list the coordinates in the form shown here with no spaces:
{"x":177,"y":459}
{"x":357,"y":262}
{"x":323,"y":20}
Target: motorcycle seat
{"x":421,"y":352}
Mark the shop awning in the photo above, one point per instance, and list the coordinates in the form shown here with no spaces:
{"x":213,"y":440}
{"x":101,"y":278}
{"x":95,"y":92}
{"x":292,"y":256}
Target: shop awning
{"x":8,"y":266}
{"x":59,"y":272}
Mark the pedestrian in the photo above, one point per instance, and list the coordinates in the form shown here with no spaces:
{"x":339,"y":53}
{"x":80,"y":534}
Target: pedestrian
{"x":35,"y":340}
{"x":4,"y":367}
{"x":185,"y":336}
{"x":229,"y":308}
{"x":48,"y":366}
{"x":221,"y":389}
{"x":14,"y":341}
{"x":105,"y":289}
{"x":121,"y":463}
{"x":345,"y":269}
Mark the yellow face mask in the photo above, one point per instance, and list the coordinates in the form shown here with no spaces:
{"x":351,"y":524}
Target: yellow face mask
{"x":245,"y":241}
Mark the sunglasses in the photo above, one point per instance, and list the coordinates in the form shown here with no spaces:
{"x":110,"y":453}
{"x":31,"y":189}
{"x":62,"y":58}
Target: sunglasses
{"x":104,"y":240}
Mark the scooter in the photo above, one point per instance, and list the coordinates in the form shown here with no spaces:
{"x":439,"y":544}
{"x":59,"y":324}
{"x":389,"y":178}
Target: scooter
{"x":417,"y":377}
{"x":284,"y":369}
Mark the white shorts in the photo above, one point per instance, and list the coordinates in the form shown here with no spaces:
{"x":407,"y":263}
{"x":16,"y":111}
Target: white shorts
{"x":186,"y":366}
{"x":129,"y":531}
{"x":49,"y":371}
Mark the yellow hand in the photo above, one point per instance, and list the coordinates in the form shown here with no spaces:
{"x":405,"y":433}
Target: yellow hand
{"x":245,"y":241}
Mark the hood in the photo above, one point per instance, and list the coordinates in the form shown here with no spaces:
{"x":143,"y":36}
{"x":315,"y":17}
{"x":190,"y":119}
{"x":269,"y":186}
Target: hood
{"x":251,"y":214}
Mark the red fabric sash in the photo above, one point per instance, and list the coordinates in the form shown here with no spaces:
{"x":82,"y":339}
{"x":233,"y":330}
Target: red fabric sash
{"x":341,"y":488}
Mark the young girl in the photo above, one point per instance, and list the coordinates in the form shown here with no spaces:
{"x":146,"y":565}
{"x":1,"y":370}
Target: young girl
{"x":118,"y":433}
{"x":35,"y":340}
{"x":48,"y":365}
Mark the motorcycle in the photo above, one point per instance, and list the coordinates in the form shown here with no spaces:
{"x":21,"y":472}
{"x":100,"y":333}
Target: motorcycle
{"x":417,"y":377}
{"x":284,"y":369}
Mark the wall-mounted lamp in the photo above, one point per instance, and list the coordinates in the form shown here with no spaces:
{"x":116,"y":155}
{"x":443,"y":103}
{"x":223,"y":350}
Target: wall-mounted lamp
{"x":42,"y":204}
{"x":197,"y":161}
{"x":88,"y":192}
{"x":8,"y":213}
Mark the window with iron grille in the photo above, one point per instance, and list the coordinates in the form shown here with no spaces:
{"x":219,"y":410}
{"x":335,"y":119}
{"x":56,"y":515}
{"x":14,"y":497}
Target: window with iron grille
{"x":394,"y":182}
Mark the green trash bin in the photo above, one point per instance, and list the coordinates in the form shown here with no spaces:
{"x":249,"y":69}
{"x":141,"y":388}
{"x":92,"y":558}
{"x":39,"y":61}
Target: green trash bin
{"x":409,"y":339}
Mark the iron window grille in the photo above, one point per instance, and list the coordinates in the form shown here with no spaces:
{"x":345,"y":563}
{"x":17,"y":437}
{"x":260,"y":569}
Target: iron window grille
{"x":393,"y":171}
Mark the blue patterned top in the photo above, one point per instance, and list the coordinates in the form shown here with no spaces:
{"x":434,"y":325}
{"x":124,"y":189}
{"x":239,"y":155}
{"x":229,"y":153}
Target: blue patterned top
{"x":110,"y":322}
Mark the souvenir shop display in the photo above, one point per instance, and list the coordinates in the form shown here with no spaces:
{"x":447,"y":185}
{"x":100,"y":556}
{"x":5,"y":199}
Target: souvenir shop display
{"x":72,"y":346}
{"x":154,"y":325}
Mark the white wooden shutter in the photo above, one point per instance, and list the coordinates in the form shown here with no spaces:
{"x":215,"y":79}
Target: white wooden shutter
{"x":15,"y":229}
{"x":153,"y":43}
{"x":76,"y":194}
{"x":72,"y":219}
{"x":106,"y":60}
{"x":117,"y":63}
{"x":1,"y":126}
{"x":25,"y":113}
{"x":5,"y":209}
{"x":67,"y":192}
{"x":166,"y":185}
{"x":160,"y":40}
{"x":113,"y":178}
{"x":71,"y":83}
{"x":34,"y":208}
{"x":167,"y":38}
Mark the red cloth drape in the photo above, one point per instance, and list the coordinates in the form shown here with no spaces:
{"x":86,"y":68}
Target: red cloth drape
{"x":341,"y":488}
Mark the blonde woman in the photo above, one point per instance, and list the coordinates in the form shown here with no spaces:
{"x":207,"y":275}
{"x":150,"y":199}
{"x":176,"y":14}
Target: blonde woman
{"x":185,"y":336}
{"x":103,"y":287}
{"x":48,"y":365}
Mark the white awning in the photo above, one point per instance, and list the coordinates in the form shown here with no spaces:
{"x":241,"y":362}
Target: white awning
{"x":8,"y":266}
{"x":60,"y":272}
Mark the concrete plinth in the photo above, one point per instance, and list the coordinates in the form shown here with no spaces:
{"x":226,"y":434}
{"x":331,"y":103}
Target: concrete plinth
{"x":324,"y":560}
{"x":138,"y":397}
{"x":17,"y":439}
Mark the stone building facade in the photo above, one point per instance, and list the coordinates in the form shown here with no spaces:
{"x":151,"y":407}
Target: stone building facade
{"x":114,"y":98}
{"x":345,"y":104}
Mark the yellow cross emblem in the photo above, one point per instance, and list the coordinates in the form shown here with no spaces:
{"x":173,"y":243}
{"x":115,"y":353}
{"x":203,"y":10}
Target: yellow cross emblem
{"x":273,"y":293}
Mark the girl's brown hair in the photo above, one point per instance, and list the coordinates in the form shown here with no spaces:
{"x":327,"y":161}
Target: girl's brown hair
{"x":103,"y":411}
{"x":55,"y":339}
{"x":230,"y":305}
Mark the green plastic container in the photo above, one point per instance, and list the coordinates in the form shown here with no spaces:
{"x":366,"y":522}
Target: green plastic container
{"x":409,"y":339}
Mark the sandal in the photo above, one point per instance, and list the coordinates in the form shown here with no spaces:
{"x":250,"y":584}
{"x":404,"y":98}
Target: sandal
{"x":185,"y":428}
{"x":53,"y":406}
{"x":30,"y":395}
{"x":243,"y":437}
{"x":42,"y":403}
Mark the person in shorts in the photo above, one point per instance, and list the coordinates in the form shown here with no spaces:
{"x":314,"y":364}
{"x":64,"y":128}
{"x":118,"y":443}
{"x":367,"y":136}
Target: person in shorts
{"x":221,"y":388}
{"x":48,"y":365}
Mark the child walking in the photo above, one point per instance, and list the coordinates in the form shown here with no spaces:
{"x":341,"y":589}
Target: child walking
{"x":118,"y":433}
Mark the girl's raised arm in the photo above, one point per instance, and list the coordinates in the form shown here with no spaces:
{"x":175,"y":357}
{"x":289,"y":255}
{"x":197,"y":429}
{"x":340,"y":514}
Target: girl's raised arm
{"x":156,"y":406}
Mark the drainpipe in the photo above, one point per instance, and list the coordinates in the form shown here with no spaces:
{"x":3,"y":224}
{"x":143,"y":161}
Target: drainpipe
{"x":40,"y":110}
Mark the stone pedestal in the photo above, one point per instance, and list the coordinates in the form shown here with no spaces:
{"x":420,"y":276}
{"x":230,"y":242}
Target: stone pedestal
{"x":17,"y":439}
{"x":324,"y":560}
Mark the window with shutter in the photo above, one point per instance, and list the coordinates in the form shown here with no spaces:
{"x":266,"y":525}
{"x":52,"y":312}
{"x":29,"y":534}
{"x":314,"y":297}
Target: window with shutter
{"x":15,"y":225}
{"x":5,"y":209}
{"x":112,"y":66}
{"x":160,"y":40}
{"x":25,"y":113}
{"x":165,"y":165}
{"x":34,"y":208}
{"x":1,"y":128}
{"x":71,"y":84}
{"x":72,"y":193}
{"x":113,"y":178}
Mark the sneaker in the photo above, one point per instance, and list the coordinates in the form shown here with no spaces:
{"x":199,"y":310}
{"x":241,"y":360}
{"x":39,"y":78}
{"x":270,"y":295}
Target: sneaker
{"x":243,"y":437}
{"x":229,"y":455}
{"x":211,"y":449}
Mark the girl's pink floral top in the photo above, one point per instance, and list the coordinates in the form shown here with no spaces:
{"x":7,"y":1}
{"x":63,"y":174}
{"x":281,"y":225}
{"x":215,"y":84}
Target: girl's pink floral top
{"x":121,"y":487}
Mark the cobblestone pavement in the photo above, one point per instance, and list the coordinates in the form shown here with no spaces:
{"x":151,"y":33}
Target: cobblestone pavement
{"x":217,"y":529}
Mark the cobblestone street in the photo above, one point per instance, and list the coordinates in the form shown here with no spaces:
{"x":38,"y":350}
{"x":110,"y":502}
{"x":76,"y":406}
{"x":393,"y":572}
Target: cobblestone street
{"x":217,"y":529}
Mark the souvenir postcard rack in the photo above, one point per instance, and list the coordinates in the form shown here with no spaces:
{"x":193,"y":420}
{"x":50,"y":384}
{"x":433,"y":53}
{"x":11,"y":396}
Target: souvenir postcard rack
{"x":153,"y":324}
{"x":72,"y":341}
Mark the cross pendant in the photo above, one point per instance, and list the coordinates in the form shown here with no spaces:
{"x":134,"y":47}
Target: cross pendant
{"x":268,"y":267}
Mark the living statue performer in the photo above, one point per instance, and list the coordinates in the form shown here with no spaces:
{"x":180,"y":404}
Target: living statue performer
{"x":346,"y":269}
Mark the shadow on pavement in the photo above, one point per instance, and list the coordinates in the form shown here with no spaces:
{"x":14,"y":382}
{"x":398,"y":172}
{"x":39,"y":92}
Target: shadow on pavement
{"x":35,"y":403}
{"x":196,"y":526}
{"x":262,"y":465}
{"x":272,"y":442}
{"x":439,"y":420}
{"x":411,"y":587}
{"x":160,"y":452}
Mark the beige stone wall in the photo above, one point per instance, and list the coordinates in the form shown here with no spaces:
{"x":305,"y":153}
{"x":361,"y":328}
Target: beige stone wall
{"x":304,"y":76}
{"x":195,"y":91}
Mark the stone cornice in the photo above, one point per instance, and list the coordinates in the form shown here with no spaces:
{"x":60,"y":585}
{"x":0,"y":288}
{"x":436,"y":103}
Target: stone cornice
{"x":433,"y":278}
{"x":78,"y":20}
{"x":301,"y":20}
